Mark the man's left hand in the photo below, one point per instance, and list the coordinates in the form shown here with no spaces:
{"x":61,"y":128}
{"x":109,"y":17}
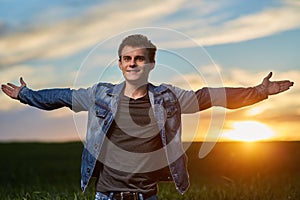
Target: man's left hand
{"x":276,"y":87}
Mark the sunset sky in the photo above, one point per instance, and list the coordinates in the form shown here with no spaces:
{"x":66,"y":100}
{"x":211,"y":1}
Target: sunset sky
{"x":201,"y":43}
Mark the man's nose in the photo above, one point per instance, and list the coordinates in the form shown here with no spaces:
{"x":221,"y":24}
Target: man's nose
{"x":132,"y":63}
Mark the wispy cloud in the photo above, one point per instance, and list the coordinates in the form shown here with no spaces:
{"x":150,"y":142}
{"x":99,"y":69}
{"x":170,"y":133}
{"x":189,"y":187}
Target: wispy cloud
{"x":69,"y":36}
{"x":213,"y":29}
{"x":264,"y":23}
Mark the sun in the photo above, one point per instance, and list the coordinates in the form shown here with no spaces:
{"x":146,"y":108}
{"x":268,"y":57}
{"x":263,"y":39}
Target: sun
{"x":249,"y":131}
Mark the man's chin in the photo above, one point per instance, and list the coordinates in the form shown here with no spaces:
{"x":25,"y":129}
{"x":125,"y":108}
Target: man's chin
{"x":137,"y":82}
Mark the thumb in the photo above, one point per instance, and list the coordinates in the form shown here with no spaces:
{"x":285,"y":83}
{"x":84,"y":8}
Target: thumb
{"x":269,"y":76}
{"x":23,"y":84}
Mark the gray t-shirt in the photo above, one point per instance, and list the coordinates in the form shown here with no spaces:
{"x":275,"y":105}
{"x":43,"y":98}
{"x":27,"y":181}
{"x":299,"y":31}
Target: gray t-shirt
{"x":132,"y":152}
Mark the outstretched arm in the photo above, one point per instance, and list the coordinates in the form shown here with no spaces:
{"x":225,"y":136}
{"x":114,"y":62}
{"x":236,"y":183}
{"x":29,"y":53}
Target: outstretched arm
{"x":49,"y":99}
{"x":240,"y":97}
{"x":229,"y":97}
{"x":46,"y":99}
{"x":12,"y":90}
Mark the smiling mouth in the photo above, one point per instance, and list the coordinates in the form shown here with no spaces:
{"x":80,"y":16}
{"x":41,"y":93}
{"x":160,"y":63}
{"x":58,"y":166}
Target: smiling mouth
{"x":133,"y":70}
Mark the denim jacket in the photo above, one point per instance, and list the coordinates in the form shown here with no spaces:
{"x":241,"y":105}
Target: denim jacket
{"x":168,"y":103}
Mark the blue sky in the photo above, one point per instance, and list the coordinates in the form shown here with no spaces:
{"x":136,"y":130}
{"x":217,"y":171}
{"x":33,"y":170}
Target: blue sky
{"x":73,"y":44}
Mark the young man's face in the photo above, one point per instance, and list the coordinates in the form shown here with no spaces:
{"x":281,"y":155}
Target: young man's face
{"x":135,"y":65}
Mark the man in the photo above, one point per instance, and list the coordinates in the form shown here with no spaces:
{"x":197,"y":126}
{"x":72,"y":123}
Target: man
{"x":134,"y":128}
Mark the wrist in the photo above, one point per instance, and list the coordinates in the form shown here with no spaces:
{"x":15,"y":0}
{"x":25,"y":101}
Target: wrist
{"x":262,"y":90}
{"x":22,"y":93}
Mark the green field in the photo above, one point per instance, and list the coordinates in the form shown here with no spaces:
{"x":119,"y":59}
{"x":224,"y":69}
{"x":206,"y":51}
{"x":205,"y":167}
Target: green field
{"x":231,"y":171}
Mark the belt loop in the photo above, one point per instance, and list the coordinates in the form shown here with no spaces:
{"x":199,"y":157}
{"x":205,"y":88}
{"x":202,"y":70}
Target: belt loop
{"x":141,"y":196}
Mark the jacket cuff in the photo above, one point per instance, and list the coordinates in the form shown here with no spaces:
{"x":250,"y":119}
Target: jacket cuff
{"x":262,"y":90}
{"x":22,"y":94}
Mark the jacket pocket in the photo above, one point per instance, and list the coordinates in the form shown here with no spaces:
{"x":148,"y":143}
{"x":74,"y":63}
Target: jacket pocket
{"x":171,"y":109}
{"x":101,"y":110}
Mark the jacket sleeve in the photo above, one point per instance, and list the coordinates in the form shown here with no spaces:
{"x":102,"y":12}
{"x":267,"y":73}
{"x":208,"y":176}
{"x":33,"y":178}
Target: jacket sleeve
{"x":228,"y":97}
{"x":231,"y":98}
{"x":50,"y":99}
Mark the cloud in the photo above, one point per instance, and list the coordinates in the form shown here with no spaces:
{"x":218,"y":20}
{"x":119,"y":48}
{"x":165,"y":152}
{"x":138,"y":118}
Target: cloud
{"x":35,"y":77}
{"x":254,"y":26}
{"x":37,"y":127}
{"x":59,"y":39}
{"x":213,"y":29}
{"x":69,"y":36}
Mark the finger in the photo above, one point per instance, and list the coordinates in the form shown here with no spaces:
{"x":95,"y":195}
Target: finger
{"x":3,"y":87}
{"x":269,"y":76}
{"x":7,"y":90}
{"x":285,"y":86}
{"x":12,"y":85}
{"x":290,"y":83}
{"x":285,"y":82}
{"x":282,"y":89}
{"x":22,"y":82}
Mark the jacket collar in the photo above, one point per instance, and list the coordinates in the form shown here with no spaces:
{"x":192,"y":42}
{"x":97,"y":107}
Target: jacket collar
{"x":156,"y":89}
{"x":118,"y":88}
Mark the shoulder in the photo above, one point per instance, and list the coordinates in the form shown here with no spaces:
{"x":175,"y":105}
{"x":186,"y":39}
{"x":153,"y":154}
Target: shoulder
{"x":174,"y":89}
{"x":104,"y":85}
{"x":158,"y":89}
{"x":166,"y":89}
{"x":108,"y":88}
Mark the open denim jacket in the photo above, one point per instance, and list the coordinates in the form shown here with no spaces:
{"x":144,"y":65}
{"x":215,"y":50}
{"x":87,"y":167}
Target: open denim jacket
{"x":168,"y":103}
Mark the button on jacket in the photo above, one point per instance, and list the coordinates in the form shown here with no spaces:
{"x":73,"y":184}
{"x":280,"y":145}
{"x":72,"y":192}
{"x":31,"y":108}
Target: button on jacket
{"x":168,"y":103}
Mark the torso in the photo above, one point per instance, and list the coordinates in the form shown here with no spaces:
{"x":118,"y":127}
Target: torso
{"x":132,"y":151}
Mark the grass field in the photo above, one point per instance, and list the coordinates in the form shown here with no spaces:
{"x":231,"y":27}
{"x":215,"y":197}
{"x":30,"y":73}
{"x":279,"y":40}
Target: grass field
{"x":231,"y":171}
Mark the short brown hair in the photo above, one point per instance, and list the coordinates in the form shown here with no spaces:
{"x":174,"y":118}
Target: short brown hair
{"x":138,"y":40}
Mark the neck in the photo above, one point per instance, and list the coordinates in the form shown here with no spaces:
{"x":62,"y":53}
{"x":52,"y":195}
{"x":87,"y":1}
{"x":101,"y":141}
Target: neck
{"x":134,"y":91}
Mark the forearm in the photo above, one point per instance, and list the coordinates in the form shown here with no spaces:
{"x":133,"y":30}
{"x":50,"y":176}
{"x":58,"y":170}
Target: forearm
{"x":231,"y":98}
{"x":47,"y":99}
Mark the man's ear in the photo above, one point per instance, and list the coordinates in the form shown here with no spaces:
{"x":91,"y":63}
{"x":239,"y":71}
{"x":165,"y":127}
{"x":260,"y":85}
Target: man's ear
{"x":120,"y":67}
{"x":152,"y":65}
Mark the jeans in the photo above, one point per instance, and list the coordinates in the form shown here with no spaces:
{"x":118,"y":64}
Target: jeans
{"x":100,"y":196}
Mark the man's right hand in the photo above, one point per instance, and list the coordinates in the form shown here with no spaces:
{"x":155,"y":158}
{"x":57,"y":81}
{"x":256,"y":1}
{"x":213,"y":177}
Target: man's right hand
{"x":12,"y":90}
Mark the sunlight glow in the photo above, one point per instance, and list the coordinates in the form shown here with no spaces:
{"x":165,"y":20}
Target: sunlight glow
{"x":254,"y":111}
{"x":248,"y":131}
